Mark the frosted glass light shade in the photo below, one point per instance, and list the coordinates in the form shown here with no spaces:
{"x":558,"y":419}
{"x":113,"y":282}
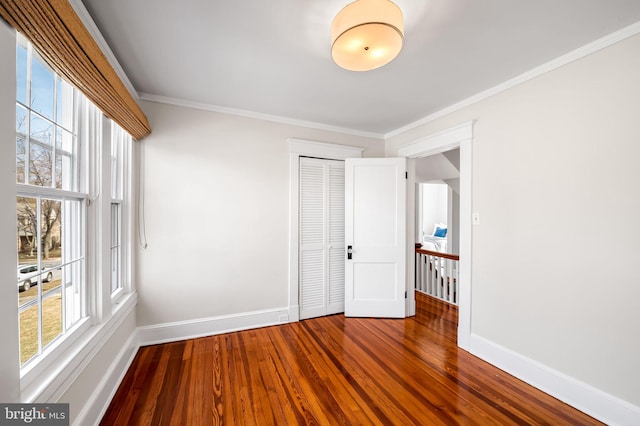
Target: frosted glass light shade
{"x":366,"y":35}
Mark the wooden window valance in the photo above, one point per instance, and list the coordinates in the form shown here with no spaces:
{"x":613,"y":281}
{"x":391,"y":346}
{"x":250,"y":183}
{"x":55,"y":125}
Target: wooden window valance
{"x":56,"y":31}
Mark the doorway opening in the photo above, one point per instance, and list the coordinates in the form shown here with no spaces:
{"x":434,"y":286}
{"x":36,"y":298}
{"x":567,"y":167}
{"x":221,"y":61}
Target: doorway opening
{"x":438,"y":201}
{"x":437,"y":217}
{"x":459,"y":137}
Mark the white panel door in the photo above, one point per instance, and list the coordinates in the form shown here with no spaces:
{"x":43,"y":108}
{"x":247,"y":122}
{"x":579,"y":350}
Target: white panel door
{"x":375,"y":235}
{"x":321,"y":261}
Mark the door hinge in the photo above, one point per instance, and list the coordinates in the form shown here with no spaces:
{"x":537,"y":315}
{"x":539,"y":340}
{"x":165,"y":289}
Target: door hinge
{"x":406,"y":175}
{"x":405,"y":294}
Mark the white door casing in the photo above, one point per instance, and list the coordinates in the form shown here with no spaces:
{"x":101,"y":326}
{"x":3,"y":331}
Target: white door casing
{"x":460,"y":136}
{"x":375,"y":229}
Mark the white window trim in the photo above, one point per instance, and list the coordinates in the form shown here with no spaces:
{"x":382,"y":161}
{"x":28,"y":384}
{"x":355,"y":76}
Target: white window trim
{"x":49,"y":375}
{"x":117,"y":293}
{"x":126,"y":219}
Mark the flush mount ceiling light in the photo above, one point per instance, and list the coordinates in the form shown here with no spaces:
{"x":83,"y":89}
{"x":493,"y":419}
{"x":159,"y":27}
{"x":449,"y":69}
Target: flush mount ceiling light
{"x":366,"y":35}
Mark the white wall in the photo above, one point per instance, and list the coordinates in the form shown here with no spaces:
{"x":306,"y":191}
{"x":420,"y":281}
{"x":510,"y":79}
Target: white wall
{"x":216,"y":201}
{"x":453,"y":232}
{"x":434,"y":205}
{"x":9,"y":352}
{"x":555,"y":180}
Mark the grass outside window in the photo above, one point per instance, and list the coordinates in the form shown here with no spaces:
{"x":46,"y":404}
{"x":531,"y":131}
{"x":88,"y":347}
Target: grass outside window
{"x":51,"y":318}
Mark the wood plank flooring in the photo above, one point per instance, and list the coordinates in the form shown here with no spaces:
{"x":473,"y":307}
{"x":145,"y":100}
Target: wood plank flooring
{"x":330,"y":371}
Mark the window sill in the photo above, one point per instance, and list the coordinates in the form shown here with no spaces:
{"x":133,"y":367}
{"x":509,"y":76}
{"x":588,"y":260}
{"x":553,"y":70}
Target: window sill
{"x":46,"y":379}
{"x":117,"y":297}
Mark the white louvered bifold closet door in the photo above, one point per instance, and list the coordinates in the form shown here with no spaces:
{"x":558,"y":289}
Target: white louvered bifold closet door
{"x":321,"y":259}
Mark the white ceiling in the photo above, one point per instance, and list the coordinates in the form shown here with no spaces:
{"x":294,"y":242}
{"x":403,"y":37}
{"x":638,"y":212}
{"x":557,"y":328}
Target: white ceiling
{"x":273,"y":57}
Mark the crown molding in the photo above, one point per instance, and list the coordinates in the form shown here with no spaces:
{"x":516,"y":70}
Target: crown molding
{"x":257,"y":115}
{"x":554,"y":64}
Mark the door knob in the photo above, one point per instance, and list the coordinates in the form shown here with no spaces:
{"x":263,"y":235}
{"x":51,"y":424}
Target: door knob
{"x":349,"y":252}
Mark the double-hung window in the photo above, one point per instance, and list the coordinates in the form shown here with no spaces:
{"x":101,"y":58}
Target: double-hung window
{"x":121,"y":145}
{"x":62,"y":232}
{"x":50,"y":205}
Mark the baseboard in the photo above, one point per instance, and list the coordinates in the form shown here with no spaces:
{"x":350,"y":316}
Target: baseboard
{"x":99,"y":401}
{"x":464,"y":339}
{"x":294,"y":313}
{"x":182,"y":330}
{"x":586,"y":398}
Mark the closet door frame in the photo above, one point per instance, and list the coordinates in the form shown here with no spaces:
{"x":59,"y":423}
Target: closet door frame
{"x":305,"y":148}
{"x":322,"y":248}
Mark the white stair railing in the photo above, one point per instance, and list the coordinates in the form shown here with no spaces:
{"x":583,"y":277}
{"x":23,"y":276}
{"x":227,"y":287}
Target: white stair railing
{"x":437,"y":274}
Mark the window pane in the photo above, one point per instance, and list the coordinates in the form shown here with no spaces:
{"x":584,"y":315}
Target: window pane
{"x":40,"y":163}
{"x":64,"y":140}
{"x":20,"y":159}
{"x":64,"y":164}
{"x":29,"y":337}
{"x":72,"y":258}
{"x":50,"y":232}
{"x":41,"y":130}
{"x":64,"y":172}
{"x":116,"y":230}
{"x":21,"y":133}
{"x":64,"y":103}
{"x":51,"y":315}
{"x":27,"y":230}
{"x":59,"y":172}
{"x":27,"y":273}
{"x":21,"y":120}
{"x":42,"y":88}
{"x":21,"y":74}
{"x":51,"y":252}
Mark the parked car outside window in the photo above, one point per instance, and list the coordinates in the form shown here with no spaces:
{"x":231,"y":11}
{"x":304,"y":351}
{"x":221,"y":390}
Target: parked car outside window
{"x":28,"y":276}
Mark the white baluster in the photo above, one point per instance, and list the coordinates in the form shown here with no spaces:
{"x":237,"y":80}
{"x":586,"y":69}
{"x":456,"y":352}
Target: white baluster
{"x":455,"y":287}
{"x":449,"y":280}
{"x":419,"y":280}
{"x":437,"y":276}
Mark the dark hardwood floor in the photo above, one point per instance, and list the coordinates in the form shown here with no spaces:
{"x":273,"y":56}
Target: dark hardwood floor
{"x":328,"y":371}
